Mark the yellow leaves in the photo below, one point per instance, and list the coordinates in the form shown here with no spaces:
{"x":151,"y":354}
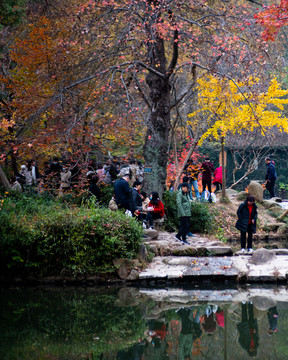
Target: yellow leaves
{"x":228,"y":106}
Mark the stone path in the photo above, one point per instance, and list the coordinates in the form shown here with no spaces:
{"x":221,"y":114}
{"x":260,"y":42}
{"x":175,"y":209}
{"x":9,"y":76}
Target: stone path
{"x":177,"y":262}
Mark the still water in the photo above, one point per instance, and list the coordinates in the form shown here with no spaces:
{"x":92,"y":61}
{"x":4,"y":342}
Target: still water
{"x":148,"y":324}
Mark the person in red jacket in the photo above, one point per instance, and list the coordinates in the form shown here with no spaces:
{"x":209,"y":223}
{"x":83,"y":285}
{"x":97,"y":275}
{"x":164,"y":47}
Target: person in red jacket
{"x":155,"y":209}
{"x":217,"y":181}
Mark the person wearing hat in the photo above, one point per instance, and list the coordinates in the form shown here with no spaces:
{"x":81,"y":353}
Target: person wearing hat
{"x":122,"y":190}
{"x":183,"y":212}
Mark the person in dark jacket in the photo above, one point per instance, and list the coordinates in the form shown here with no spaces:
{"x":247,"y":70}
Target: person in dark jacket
{"x":273,"y":318}
{"x":136,"y":200}
{"x":248,"y":330}
{"x":271,"y":177}
{"x":93,"y":187}
{"x":207,"y":172}
{"x":246,"y":223}
{"x":122,"y":190}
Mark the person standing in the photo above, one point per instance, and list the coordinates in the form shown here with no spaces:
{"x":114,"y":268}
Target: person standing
{"x":122,"y":190}
{"x":271,"y":177}
{"x":217,"y":181}
{"x":207,"y":172}
{"x":246,"y":223}
{"x":183,"y":212}
{"x":248,"y":330}
{"x":192,"y":172}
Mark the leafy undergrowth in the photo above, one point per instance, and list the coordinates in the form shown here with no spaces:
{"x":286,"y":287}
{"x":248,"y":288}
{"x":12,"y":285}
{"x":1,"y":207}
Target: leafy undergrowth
{"x":45,"y":236}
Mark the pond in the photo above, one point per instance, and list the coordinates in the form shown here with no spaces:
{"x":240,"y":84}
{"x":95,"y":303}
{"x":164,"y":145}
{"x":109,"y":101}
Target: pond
{"x":132,"y":324}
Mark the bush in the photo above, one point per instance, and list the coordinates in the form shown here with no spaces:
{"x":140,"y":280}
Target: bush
{"x":48,"y":236}
{"x":201,"y":220}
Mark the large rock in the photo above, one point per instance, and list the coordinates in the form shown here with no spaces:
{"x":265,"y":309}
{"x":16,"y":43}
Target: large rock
{"x":219,"y":250}
{"x":256,"y":190}
{"x":231,"y":193}
{"x":262,"y":256}
{"x":263,"y":303}
{"x":269,"y":204}
{"x":242,"y":195}
{"x":184,"y":250}
{"x":123,"y":267}
{"x":151,"y":233}
{"x":142,"y":253}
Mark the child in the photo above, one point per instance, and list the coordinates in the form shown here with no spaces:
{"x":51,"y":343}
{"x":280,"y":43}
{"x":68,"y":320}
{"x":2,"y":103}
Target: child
{"x":247,"y":217}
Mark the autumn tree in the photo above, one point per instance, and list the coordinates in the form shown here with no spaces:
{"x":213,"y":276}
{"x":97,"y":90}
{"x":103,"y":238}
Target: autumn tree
{"x":236,"y":109}
{"x":91,"y":64}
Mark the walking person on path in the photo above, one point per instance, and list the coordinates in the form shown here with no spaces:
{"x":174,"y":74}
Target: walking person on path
{"x":246,"y":223}
{"x":183,"y":212}
{"x":271,"y":177}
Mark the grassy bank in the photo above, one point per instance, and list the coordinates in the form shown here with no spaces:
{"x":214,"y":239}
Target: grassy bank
{"x":43,"y":236}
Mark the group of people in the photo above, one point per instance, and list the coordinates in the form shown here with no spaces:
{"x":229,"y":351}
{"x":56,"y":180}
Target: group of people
{"x":192,"y":171}
{"x":134,"y":201}
{"x":55,"y":177}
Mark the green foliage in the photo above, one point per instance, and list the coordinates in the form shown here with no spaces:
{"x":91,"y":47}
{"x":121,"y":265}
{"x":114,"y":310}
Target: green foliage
{"x":201,"y":219}
{"x":48,"y":235}
{"x":11,"y":12}
{"x":106,"y":194}
{"x":57,"y":324}
{"x":169,"y":201}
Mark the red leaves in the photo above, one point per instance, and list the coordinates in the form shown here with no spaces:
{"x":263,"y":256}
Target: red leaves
{"x":273,"y":18}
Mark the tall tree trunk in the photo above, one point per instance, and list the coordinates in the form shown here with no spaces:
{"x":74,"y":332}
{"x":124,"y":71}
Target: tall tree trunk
{"x":4,"y":179}
{"x":157,"y":136}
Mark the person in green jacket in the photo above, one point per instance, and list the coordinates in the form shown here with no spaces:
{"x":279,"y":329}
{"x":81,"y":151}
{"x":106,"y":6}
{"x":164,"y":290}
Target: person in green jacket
{"x":183,"y":212}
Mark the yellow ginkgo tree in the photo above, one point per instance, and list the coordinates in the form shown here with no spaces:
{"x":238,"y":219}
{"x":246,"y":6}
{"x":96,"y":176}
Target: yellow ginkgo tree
{"x":230,"y":107}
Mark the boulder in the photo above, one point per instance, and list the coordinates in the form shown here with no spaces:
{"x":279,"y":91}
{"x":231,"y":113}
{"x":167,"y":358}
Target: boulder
{"x":262,"y":256}
{"x":142,"y":253}
{"x":263,"y":303}
{"x":242,"y":195}
{"x":231,"y":193}
{"x":151,"y":233}
{"x":219,"y":250}
{"x":268,"y":204}
{"x":256,"y":190}
{"x":184,"y":250}
{"x":276,"y":199}
{"x":123,"y":267}
{"x":272,"y":226}
{"x":134,"y":275}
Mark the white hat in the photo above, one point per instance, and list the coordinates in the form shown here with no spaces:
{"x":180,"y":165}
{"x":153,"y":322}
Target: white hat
{"x":124,"y":172}
{"x":23,"y":166}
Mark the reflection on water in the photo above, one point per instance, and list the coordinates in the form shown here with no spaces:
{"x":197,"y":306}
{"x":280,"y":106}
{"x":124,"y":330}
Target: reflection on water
{"x":145,"y":324}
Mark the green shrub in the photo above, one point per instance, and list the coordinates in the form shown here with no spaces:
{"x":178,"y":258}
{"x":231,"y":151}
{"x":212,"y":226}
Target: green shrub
{"x":201,"y":220}
{"x":48,"y":236}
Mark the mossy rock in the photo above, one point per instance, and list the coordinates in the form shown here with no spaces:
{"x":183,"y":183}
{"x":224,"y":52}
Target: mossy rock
{"x":185,"y":251}
{"x":242,"y":195}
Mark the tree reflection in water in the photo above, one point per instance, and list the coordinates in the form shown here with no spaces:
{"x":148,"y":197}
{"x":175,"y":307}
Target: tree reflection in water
{"x":132,"y":324}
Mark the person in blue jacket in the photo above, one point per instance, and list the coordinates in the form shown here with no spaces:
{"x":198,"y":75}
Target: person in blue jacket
{"x":271,"y":177}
